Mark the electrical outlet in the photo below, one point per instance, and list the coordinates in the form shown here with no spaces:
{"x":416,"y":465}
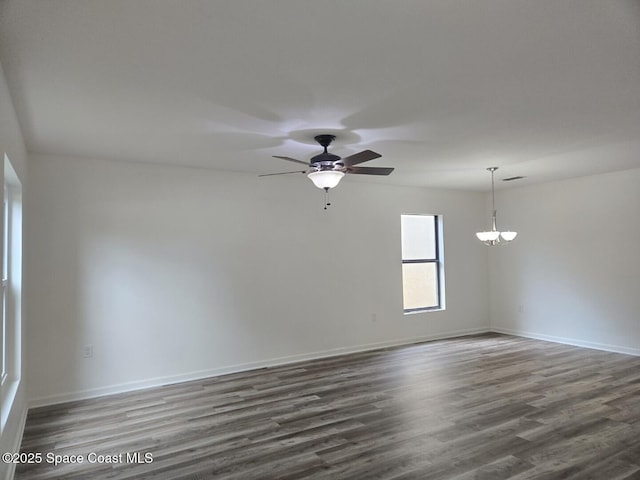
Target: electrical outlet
{"x":374,"y":317}
{"x":87,"y":351}
{"x":521,"y":308}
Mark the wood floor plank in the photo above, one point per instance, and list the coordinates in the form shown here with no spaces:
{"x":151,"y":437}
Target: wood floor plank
{"x":485,"y":407}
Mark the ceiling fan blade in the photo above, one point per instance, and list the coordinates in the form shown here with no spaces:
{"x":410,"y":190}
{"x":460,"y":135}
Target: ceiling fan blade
{"x":360,"y":157}
{"x":370,"y":170}
{"x":281,"y":173}
{"x":292,"y":160}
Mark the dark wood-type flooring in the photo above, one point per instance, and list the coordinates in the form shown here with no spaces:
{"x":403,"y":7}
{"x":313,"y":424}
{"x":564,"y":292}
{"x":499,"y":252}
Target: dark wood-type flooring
{"x":482,"y":407}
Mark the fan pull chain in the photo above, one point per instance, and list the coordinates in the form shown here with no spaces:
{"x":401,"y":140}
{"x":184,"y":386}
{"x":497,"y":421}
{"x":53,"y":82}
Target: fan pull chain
{"x":326,"y":198}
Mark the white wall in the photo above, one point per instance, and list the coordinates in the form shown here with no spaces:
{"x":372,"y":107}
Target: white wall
{"x":173,"y":273}
{"x":573,"y":273}
{"x":12,"y":144}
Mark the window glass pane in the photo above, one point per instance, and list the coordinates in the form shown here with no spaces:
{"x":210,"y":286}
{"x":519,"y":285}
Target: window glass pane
{"x":420,"y":285}
{"x":418,"y":237}
{"x":5,"y":262}
{"x":5,"y":240}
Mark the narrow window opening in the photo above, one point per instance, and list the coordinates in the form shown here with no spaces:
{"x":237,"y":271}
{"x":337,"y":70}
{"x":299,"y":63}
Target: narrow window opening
{"x":11,"y":330}
{"x":422,"y":263}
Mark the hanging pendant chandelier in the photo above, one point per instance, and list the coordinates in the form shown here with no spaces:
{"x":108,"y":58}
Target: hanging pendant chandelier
{"x":494,"y":236}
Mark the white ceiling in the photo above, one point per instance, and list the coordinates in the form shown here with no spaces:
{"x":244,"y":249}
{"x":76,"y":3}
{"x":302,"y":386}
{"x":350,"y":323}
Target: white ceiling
{"x":442,"y":89}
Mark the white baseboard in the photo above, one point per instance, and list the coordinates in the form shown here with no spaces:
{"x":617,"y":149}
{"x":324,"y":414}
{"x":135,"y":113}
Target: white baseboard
{"x":273,"y":362}
{"x":568,"y":341}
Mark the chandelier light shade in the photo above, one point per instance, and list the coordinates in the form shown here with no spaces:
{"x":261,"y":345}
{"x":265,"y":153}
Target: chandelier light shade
{"x":488,"y":236}
{"x":494,"y":236}
{"x":326,"y":179}
{"x":508,"y":236}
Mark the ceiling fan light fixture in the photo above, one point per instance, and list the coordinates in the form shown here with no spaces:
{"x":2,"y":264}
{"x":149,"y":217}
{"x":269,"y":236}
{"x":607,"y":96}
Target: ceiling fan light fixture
{"x":326,"y":169}
{"x":326,"y":179}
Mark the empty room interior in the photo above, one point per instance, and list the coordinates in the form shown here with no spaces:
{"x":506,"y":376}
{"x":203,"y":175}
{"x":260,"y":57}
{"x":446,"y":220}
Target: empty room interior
{"x":291,"y":239}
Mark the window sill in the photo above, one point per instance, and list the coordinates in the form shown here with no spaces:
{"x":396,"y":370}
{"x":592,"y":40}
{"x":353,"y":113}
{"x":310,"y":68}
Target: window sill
{"x":425,"y":310}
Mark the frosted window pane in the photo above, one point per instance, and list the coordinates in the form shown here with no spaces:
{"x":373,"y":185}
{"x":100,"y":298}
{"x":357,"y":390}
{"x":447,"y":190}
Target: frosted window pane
{"x":418,"y":237}
{"x":419,"y":285}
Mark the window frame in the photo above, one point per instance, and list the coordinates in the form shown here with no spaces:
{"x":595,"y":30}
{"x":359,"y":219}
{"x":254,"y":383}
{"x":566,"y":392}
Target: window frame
{"x":6,"y":228}
{"x":12,"y":261}
{"x":437,"y":260}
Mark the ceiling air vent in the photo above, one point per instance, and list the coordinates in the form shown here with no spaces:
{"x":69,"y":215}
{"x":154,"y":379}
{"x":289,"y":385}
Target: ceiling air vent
{"x":510,"y":179}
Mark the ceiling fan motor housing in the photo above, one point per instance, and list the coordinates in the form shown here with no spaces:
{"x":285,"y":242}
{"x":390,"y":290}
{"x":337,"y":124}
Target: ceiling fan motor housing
{"x":326,"y":160}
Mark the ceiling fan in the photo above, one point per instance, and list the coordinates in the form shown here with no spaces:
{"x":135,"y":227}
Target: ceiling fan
{"x":326,"y":170}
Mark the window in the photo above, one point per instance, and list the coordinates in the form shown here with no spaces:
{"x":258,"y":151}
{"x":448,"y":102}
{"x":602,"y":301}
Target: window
{"x":10,"y":342}
{"x":5,"y":281}
{"x":422,"y":265}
